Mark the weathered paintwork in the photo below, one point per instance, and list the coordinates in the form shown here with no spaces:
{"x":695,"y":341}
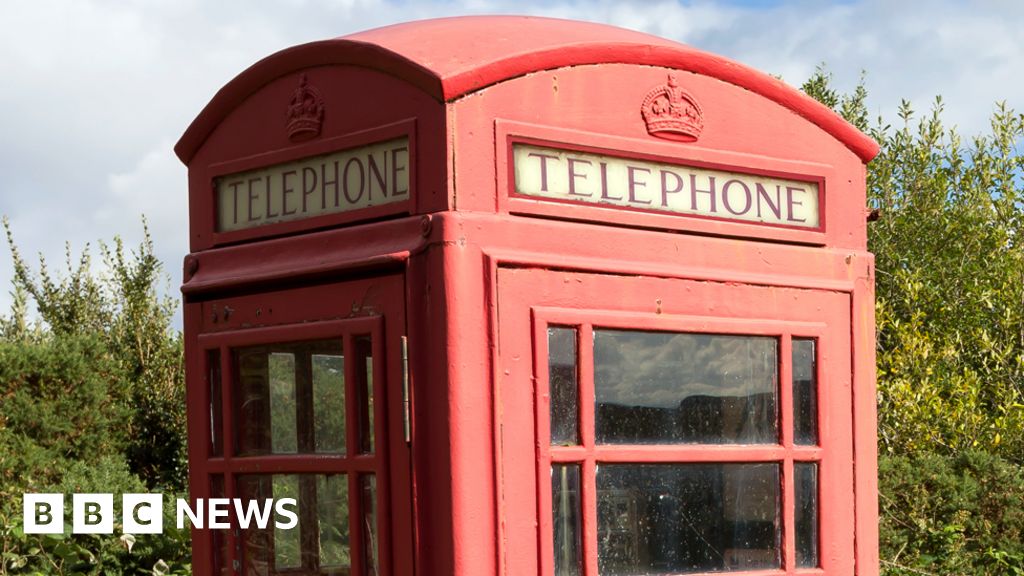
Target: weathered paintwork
{"x":469,"y":270}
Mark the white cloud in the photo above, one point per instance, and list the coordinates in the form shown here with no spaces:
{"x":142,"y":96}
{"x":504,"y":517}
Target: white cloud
{"x":95,"y":92}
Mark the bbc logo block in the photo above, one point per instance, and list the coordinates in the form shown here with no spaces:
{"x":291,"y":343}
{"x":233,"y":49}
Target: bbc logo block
{"x":93,"y":513}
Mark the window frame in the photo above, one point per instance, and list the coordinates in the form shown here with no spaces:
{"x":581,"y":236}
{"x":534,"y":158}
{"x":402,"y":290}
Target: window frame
{"x":354,"y":463}
{"x":587,"y":454}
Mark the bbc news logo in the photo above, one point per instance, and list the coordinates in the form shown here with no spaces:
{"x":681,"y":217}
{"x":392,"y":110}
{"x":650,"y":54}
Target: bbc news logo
{"x":144,"y":513}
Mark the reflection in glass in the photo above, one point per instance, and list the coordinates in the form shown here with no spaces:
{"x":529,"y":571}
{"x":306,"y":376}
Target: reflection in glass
{"x":281,"y":370}
{"x":369,"y":488}
{"x":220,"y":539}
{"x":663,"y":388}
{"x":364,"y":388}
{"x":805,"y":392}
{"x":684,"y":518}
{"x":332,"y":515}
{"x":563,"y":386}
{"x":289,"y":398}
{"x":565,"y":504}
{"x":806,"y":514}
{"x":321,"y":539}
{"x":329,"y":403}
{"x":216,"y":402}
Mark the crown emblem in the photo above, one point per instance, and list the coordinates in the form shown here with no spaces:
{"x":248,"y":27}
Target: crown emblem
{"x":305,"y":112}
{"x":671,"y":112}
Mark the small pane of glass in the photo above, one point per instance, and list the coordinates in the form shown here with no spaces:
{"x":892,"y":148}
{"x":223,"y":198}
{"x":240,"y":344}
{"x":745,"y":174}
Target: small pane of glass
{"x":283,"y":431}
{"x":287,"y":542}
{"x":268,"y":549}
{"x":220,"y":539}
{"x":329,"y":403}
{"x":320,"y":541}
{"x":364,"y":386}
{"x":684,"y":518}
{"x":332,"y":514}
{"x":805,"y":392}
{"x":563,"y":387}
{"x":565,"y":504}
{"x":216,"y":403}
{"x":806,"y":495}
{"x":369,"y":488}
{"x":290,"y":398}
{"x":665,"y":388}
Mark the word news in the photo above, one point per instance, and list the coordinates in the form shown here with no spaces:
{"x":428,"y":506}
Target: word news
{"x":144,"y":513}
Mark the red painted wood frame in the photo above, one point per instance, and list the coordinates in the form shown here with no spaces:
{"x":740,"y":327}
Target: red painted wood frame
{"x":550,"y":301}
{"x":388,"y":462}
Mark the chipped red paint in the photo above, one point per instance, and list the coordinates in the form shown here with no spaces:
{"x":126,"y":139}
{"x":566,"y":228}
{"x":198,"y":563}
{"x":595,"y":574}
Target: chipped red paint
{"x":470,"y":271}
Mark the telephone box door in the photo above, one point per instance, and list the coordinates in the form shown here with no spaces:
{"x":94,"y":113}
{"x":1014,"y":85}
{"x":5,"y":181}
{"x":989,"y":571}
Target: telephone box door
{"x":677,"y":426}
{"x":304,"y":399}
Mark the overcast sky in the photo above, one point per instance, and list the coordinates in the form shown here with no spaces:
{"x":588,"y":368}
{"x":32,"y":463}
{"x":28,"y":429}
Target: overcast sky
{"x":94,"y":93}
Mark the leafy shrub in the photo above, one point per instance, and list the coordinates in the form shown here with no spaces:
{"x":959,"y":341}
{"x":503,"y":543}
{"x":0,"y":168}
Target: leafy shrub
{"x":959,"y":514}
{"x":91,"y":400}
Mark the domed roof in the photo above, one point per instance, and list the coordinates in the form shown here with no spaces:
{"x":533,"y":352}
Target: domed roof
{"x":450,"y":57}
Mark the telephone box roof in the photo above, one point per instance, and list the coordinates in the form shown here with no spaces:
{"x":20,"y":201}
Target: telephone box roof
{"x":450,"y":57}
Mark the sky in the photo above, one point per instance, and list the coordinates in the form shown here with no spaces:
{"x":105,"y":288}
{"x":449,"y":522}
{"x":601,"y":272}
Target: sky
{"x":94,"y":93}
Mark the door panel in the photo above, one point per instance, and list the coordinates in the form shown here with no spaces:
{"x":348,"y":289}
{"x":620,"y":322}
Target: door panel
{"x":298,"y":393}
{"x":666,"y":426}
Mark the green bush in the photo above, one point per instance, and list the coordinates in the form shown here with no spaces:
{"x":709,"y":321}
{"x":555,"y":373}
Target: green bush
{"x":91,"y":400}
{"x":951,"y":515}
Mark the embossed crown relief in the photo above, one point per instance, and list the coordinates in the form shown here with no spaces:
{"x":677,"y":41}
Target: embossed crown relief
{"x":305,"y":112}
{"x":670,"y":112}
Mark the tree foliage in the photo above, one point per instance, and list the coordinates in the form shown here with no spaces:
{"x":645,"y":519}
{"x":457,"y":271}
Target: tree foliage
{"x":91,"y":400}
{"x":949,"y":250}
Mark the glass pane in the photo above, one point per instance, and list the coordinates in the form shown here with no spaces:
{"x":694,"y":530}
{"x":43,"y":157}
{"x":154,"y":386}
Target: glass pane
{"x":319,"y":540}
{"x":663,"y":388}
{"x":565,"y":503}
{"x":686,"y":518}
{"x":369,"y":487}
{"x":364,"y":387}
{"x":287,"y":542}
{"x":329,"y":403}
{"x":216,"y":403}
{"x":806,"y":514}
{"x":289,"y":398}
{"x":283,"y":431}
{"x":268,"y":548}
{"x":332,"y":514}
{"x":220,"y":537}
{"x":562,"y":384}
{"x":805,"y":392}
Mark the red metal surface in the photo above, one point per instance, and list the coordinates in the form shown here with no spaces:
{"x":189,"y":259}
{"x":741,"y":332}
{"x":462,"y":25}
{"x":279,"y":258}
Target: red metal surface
{"x":469,"y":270}
{"x":505,"y":47}
{"x":628,"y":303}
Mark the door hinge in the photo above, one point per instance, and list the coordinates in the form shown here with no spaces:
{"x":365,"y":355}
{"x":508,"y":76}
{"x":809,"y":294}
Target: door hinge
{"x":406,"y":415}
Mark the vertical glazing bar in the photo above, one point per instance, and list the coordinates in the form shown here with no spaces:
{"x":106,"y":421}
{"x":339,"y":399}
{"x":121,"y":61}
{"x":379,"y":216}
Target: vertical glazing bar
{"x":786,"y":426}
{"x":585,"y":347}
{"x":407,"y":415}
{"x":542,"y":429}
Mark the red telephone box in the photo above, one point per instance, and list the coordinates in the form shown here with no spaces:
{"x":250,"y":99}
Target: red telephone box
{"x":519,"y":296}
